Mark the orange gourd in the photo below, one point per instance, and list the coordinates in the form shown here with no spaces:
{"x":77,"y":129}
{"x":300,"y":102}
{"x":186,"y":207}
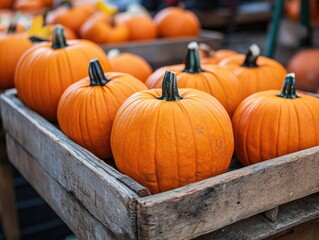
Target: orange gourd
{"x":168,"y":138}
{"x":141,"y":27}
{"x":255,"y":73}
{"x":72,"y":16}
{"x":35,"y":6}
{"x":176,"y":22}
{"x":6,"y":4}
{"x":271,"y":123}
{"x":215,"y":80}
{"x":47,"y":69}
{"x":292,"y":9}
{"x":100,"y":28}
{"x":209,"y":56}
{"x":87,"y":108}
{"x":132,"y":64}
{"x":12,"y":46}
{"x":304,"y":65}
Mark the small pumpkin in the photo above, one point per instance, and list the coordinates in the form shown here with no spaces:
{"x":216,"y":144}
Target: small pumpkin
{"x":271,"y":123}
{"x":130,"y":63}
{"x":215,"y":80}
{"x":292,"y":9}
{"x":168,"y":138}
{"x":48,"y":68}
{"x":33,"y":6}
{"x":254,"y":72}
{"x":12,"y":46}
{"x":209,"y":56}
{"x":87,"y":108}
{"x":6,"y":4}
{"x":141,"y":27}
{"x":100,"y":28}
{"x":176,"y":22}
{"x":70,"y":15}
{"x":305,"y":66}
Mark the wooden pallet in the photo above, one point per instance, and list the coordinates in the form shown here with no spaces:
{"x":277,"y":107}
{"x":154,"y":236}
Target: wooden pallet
{"x":98,"y":202}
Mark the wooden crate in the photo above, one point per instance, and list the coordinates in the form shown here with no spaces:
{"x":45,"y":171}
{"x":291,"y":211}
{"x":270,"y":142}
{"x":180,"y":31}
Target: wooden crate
{"x":98,"y":202}
{"x":162,"y":52}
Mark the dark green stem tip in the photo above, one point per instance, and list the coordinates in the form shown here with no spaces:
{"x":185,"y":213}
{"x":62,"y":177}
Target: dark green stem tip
{"x":289,"y":87}
{"x":96,"y":73}
{"x":58,"y":38}
{"x":169,"y":87}
{"x":251,"y":56}
{"x":192,"y":59}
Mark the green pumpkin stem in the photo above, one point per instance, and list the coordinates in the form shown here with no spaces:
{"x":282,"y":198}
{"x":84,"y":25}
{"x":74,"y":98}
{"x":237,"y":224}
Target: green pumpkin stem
{"x":12,"y":27}
{"x":169,"y":87}
{"x":251,"y":56}
{"x":289,"y":87}
{"x":96,"y":73}
{"x":58,"y":38}
{"x":192,"y":60}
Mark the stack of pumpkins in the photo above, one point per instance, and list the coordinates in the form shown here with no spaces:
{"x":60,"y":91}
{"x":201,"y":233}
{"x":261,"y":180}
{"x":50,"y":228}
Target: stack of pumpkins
{"x":186,"y":127}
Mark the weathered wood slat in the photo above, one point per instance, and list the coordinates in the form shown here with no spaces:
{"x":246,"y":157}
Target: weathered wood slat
{"x":211,"y":204}
{"x":64,"y":203}
{"x":107,"y":194}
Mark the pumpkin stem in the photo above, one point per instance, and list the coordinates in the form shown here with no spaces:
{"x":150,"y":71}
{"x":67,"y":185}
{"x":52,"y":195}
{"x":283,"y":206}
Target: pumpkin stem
{"x":289,"y":87}
{"x":58,"y":38}
{"x":12,"y":27}
{"x":169,"y":87}
{"x":96,"y":73}
{"x":251,"y":56}
{"x":192,"y":60}
{"x":67,"y":3}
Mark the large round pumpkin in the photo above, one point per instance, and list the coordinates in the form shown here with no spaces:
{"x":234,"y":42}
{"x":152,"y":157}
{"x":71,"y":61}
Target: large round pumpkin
{"x":271,"y":123}
{"x":215,"y":80}
{"x":131,"y":63}
{"x":72,"y":16}
{"x":47,"y":69}
{"x":170,"y":138}
{"x":100,"y":28}
{"x":176,"y":22}
{"x":87,"y":108}
{"x":304,"y":64}
{"x":12,"y":46}
{"x":254,"y":72}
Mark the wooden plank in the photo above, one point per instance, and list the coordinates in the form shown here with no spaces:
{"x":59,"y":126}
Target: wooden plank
{"x":107,"y":194}
{"x":62,"y":201}
{"x":259,"y":227}
{"x":205,"y":206}
{"x":164,"y":52}
{"x":9,"y":215}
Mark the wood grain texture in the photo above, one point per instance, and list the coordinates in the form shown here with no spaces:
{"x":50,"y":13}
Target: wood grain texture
{"x":107,"y":194}
{"x":216,"y":202}
{"x":63,"y":202}
{"x":259,"y":227}
{"x":9,"y":215}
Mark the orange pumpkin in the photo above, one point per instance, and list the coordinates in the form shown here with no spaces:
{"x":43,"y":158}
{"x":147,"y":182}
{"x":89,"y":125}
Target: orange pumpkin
{"x":132,"y":64}
{"x":72,"y":16}
{"x":305,"y":66}
{"x":176,"y":22}
{"x":6,"y":4}
{"x":141,"y":27}
{"x":254,"y":72}
{"x":12,"y":46}
{"x":215,"y":80}
{"x":270,"y":124}
{"x":47,"y":69}
{"x":292,"y":9}
{"x":170,"y":138}
{"x":35,"y":6}
{"x":100,"y":28}
{"x":19,"y":28}
{"x":209,"y":56}
{"x":87,"y":108}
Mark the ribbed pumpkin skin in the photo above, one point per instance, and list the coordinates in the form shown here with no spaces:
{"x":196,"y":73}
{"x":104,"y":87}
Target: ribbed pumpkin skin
{"x":132,"y":64}
{"x":268,"y":75}
{"x":217,"y":56}
{"x":167,"y":144}
{"x":12,"y":47}
{"x":43,"y":73}
{"x":266,"y":126}
{"x":86,"y":113}
{"x":215,"y":80}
